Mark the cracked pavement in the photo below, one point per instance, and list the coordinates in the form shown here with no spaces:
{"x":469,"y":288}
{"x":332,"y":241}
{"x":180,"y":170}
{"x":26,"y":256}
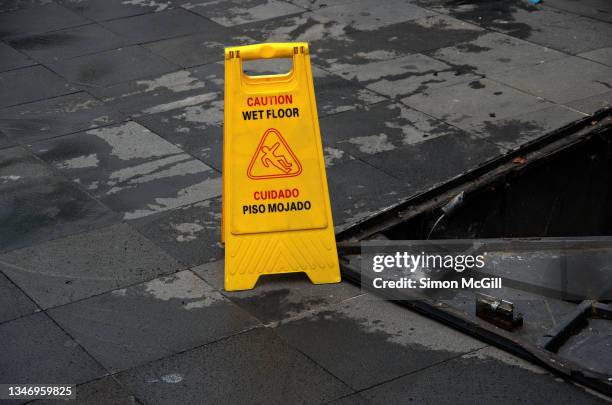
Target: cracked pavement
{"x":111,"y":117}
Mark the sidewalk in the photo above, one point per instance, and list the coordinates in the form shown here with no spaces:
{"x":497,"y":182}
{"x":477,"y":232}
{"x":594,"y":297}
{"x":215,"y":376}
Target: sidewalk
{"x":111,"y":116}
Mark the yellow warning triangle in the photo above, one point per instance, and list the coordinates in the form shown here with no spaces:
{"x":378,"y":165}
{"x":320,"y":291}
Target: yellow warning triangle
{"x":273,"y":158}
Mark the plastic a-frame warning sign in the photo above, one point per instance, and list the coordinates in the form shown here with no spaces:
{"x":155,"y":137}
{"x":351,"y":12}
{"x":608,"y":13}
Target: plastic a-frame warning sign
{"x":276,"y":211}
{"x":273,"y":158}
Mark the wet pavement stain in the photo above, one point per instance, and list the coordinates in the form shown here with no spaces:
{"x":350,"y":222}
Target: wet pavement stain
{"x":51,"y":118}
{"x":378,"y":335}
{"x":191,"y":234}
{"x":493,"y":15}
{"x":268,"y":306}
{"x":126,"y":160}
{"x":230,"y":13}
{"x":43,"y":41}
{"x":479,"y":85}
{"x":37,"y":205}
{"x":137,"y":324}
{"x":387,"y":77}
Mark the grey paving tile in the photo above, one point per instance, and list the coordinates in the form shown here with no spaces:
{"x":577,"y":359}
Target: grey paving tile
{"x":560,"y":80}
{"x":161,"y":25}
{"x":514,"y":132}
{"x":111,"y":67}
{"x":334,"y":156}
{"x":473,"y":102}
{"x":5,"y":142}
{"x":407,"y":75}
{"x":38,"y":19}
{"x":198,"y":49}
{"x":197,"y":129}
{"x":598,"y":9}
{"x":369,"y":14}
{"x":307,"y":26}
{"x":592,"y":104}
{"x":103,"y":391}
{"x":132,"y":170}
{"x":80,"y":266}
{"x":68,"y":43}
{"x":603,"y":55}
{"x":164,"y":92}
{"x":428,"y":164}
{"x":39,"y":120}
{"x":333,"y":93}
{"x":259,"y":368}
{"x":358,"y":190}
{"x":13,"y":302}
{"x":495,"y":52}
{"x":426,"y":33}
{"x":191,"y":234}
{"x":133,"y":326}
{"x":37,"y":205}
{"x":402,"y":39}
{"x":36,"y":349}
{"x":353,"y":399}
{"x":380,"y":128}
{"x":552,"y":28}
{"x":315,"y":4}
{"x":31,"y":84}
{"x":12,"y":59}
{"x":332,"y":44}
{"x":235,"y":12}
{"x":100,"y":10}
{"x":281,"y":296}
{"x":12,"y":5}
{"x":376,"y":331}
{"x":329,"y":41}
{"x":487,"y":375}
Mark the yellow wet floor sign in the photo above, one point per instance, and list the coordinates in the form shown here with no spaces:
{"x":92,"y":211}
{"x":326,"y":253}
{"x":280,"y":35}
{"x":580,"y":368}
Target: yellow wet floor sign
{"x":276,"y":211}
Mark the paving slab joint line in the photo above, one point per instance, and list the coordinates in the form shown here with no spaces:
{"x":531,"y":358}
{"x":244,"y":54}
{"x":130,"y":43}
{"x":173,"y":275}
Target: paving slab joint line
{"x":34,"y":64}
{"x":492,"y":29}
{"x":2,"y":263}
{"x":289,"y":2}
{"x":40,"y":99}
{"x":536,"y":95}
{"x":183,"y":151}
{"x":310,"y":312}
{"x":99,"y":86}
{"x":80,"y":187}
{"x":112,"y":374}
{"x":27,"y":145}
{"x":276,"y":324}
{"x":316,"y":363}
{"x":10,"y":280}
{"x":458,"y":356}
{"x":221,"y":339}
{"x":12,"y":38}
{"x":78,"y":343}
{"x":553,"y":9}
{"x":156,"y":40}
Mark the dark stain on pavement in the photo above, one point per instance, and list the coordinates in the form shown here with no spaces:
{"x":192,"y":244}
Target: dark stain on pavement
{"x":477,"y":84}
{"x":493,"y":14}
{"x":275,"y":305}
{"x":43,"y":41}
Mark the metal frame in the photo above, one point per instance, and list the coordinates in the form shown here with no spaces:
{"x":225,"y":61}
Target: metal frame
{"x":542,"y":353}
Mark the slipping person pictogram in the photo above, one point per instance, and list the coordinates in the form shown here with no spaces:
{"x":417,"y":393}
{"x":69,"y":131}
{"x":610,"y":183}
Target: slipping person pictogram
{"x":273,"y":158}
{"x":270,"y":157}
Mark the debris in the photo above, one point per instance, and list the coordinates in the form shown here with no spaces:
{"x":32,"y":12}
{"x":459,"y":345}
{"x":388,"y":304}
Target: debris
{"x":497,"y":311}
